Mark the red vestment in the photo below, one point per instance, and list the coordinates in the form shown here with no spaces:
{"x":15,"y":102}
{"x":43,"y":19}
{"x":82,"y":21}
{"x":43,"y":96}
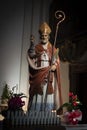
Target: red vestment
{"x":37,"y":77}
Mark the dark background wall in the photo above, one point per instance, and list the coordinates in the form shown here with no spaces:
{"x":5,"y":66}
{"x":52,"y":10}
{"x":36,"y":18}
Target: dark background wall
{"x":72,"y":32}
{"x":75,"y":22}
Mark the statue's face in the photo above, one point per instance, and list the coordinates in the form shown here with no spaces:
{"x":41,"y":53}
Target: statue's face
{"x":44,"y":38}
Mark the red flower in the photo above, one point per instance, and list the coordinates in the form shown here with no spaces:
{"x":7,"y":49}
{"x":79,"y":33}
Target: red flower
{"x":78,"y":113}
{"x":74,"y":121}
{"x":74,"y":97}
{"x":73,"y":117}
{"x":16,"y":102}
{"x":75,"y":103}
{"x":70,"y":94}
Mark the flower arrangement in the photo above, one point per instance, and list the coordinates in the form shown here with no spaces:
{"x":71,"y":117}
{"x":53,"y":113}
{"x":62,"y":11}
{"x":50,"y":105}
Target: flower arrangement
{"x":73,"y":103}
{"x":73,"y":114}
{"x":73,"y":117}
{"x":15,"y":102}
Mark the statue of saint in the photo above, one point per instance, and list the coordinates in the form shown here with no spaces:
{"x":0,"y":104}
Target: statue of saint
{"x":44,"y":73}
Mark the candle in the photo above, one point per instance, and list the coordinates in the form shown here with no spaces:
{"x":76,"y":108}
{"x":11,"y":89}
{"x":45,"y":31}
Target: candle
{"x":53,"y":113}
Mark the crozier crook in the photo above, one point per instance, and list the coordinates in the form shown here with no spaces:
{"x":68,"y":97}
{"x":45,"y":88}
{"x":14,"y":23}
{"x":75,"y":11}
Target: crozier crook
{"x":60,"y":16}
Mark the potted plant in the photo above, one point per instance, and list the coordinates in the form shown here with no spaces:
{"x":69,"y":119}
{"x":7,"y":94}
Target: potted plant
{"x":15,"y":102}
{"x":73,"y":113}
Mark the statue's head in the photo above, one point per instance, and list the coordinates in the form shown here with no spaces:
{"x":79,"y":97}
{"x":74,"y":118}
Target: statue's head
{"x":44,"y":31}
{"x":44,"y":28}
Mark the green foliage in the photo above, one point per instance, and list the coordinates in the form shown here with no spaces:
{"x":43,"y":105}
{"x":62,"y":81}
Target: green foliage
{"x":73,"y":104}
{"x":5,"y":93}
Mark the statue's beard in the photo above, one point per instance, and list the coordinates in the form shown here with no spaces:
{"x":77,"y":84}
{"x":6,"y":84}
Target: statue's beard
{"x":44,"y":41}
